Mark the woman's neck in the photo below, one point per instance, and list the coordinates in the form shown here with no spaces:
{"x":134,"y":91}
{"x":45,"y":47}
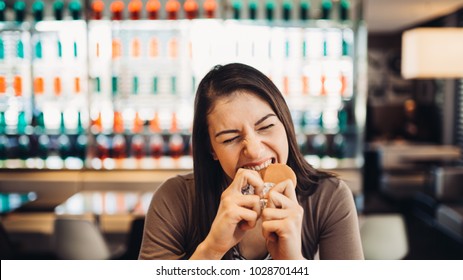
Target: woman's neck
{"x":252,"y":246}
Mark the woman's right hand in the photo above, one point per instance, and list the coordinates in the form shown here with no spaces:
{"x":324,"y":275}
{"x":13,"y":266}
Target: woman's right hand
{"x":237,"y":213}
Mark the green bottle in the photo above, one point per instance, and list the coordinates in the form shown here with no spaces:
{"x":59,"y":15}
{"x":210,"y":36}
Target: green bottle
{"x":40,"y":123}
{"x":304,"y":12}
{"x":64,"y":146}
{"x":62,"y":124}
{"x":20,"y":11}
{"x":270,"y":9}
{"x":80,"y":127}
{"x":43,"y":145}
{"x":327,"y":5}
{"x":38,"y":49}
{"x":24,"y":147}
{"x":287,"y":7}
{"x":75,"y":9}
{"x":58,"y":9}
{"x":2,"y":49}
{"x":64,"y":143}
{"x":344,"y":8}
{"x":81,"y":147}
{"x":22,"y":123}
{"x":237,"y":5}
{"x":135,"y":85}
{"x":60,"y":49}
{"x":253,"y":9}
{"x":38,"y":10}
{"x":114,"y":83}
{"x":20,"y":49}
{"x":2,"y":10}
{"x":2,"y":123}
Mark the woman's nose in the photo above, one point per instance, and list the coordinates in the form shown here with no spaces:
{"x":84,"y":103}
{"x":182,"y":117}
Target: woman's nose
{"x":253,"y":147}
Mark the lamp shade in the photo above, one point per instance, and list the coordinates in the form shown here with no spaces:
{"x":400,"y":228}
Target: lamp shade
{"x":432,"y":53}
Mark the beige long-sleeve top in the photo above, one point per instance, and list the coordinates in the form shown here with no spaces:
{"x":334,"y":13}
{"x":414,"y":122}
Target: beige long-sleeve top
{"x":330,"y":222}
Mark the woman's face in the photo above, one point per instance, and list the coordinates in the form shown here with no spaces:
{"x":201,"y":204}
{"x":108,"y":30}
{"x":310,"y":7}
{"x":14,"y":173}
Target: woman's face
{"x":246,"y":133}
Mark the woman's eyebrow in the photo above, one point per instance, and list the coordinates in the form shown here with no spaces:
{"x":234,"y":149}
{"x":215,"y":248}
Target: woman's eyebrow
{"x":237,"y":131}
{"x":264,"y":118}
{"x":226,"y":132}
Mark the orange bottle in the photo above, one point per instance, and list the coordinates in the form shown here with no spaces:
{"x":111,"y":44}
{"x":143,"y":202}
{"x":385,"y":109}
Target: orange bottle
{"x":118,"y":122}
{"x":152,"y":9}
{"x":172,"y":8}
{"x":97,"y":9}
{"x":191,"y":9}
{"x":209,"y":8}
{"x":135,"y":7}
{"x":117,"y":9}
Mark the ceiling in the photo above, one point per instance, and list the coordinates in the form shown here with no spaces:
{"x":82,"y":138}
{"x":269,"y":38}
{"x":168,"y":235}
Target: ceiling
{"x":388,"y":16}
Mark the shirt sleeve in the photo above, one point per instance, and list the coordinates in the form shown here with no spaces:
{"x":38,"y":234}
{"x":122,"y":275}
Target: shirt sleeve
{"x":339,"y":227}
{"x":166,"y":222}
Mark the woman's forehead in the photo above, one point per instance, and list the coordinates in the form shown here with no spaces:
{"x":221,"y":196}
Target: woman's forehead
{"x":232,"y":112}
{"x":240,"y":101}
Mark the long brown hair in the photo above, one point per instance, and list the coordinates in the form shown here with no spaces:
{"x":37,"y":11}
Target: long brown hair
{"x":210,"y":179}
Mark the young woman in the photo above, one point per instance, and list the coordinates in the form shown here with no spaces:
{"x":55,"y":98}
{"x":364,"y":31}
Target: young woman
{"x":241,"y":125}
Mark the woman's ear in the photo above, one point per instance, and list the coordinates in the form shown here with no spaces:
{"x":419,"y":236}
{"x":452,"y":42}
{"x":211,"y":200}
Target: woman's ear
{"x":214,"y":156}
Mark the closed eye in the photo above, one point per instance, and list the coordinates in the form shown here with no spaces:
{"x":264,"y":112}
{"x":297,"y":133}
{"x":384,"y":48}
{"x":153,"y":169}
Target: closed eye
{"x":230,"y":140}
{"x":266,"y":127}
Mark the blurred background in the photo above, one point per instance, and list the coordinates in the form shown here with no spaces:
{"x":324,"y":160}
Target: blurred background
{"x":96,"y":107}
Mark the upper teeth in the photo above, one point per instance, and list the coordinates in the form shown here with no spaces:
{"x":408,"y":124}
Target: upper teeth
{"x":259,"y":167}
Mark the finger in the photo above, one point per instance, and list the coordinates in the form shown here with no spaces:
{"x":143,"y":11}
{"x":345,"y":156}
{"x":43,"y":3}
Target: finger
{"x":279,"y":200}
{"x":270,"y":229}
{"x":251,"y":202}
{"x":286,"y":188}
{"x":248,"y":218}
{"x":271,"y":213}
{"x":246,"y":177}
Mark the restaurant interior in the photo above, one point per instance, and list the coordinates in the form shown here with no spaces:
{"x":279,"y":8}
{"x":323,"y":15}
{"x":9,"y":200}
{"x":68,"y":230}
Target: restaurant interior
{"x":96,"y":107}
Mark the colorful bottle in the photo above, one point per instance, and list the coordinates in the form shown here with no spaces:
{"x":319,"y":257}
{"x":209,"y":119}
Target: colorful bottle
{"x":64,"y":143}
{"x":135,"y":7}
{"x":152,"y":9}
{"x":97,"y":9}
{"x":236,"y":6}
{"x":117,"y":10}
{"x":269,"y":9}
{"x":102,"y":146}
{"x":24,"y":147}
{"x":2,"y":123}
{"x":81,"y":141}
{"x":137,"y":147}
{"x":287,"y":7}
{"x":20,"y":11}
{"x":75,"y":9}
{"x":304,"y":10}
{"x":43,"y":146}
{"x":2,"y":10}
{"x":253,"y":6}
{"x":38,"y":10}
{"x":327,"y":6}
{"x":344,"y":7}
{"x":172,"y":8}
{"x":176,"y":142}
{"x":118,"y":147}
{"x":58,"y":9}
{"x":191,"y":9}
{"x":209,"y":7}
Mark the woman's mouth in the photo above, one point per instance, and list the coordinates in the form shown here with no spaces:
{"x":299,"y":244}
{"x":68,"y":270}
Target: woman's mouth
{"x":261,"y":166}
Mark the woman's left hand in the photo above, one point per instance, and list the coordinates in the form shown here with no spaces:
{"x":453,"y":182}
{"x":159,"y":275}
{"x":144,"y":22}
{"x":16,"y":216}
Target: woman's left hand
{"x":282,"y":222}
